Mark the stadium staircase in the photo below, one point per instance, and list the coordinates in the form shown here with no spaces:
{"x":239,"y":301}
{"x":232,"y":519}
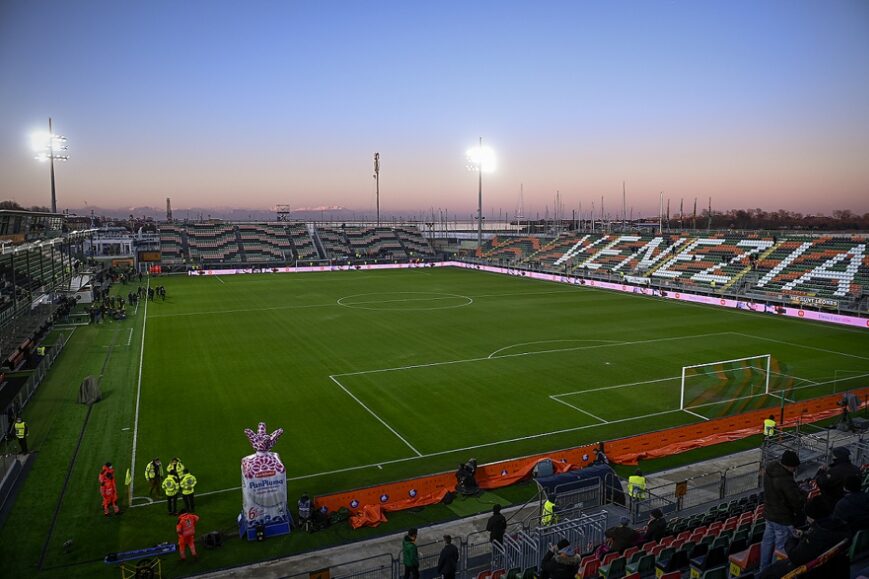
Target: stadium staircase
{"x":242,"y":254}
{"x":749,"y":268}
{"x":318,"y":243}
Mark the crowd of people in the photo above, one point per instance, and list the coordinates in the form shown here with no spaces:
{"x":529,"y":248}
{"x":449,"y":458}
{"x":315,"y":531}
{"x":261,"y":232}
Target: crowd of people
{"x":799,"y":529}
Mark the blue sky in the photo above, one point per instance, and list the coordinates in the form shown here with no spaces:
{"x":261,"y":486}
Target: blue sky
{"x":252,"y":104}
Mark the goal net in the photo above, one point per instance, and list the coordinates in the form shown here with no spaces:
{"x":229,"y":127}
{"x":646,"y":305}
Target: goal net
{"x":726,"y":381}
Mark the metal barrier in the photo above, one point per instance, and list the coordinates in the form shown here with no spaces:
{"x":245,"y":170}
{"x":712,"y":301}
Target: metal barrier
{"x":383,"y":566}
{"x":527,"y":548}
{"x":641,"y":509}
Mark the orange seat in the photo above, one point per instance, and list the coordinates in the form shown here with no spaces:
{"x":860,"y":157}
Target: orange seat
{"x":609,"y":558}
{"x":666,"y":541}
{"x":745,"y":561}
{"x":588,"y":567}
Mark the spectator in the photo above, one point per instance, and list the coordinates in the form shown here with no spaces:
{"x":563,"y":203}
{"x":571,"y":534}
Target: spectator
{"x":783,"y":505}
{"x":496,"y":525}
{"x":824,"y":533}
{"x":657,"y":528}
{"x":853,"y":508}
{"x":448,"y":562}
{"x":410,"y":555}
{"x":621,"y":537}
{"x":558,"y":563}
{"x":831,"y":479}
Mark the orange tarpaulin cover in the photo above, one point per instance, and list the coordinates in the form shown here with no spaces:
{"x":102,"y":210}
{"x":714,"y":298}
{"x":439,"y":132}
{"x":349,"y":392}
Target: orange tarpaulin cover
{"x":368,"y":516}
{"x":430,"y":490}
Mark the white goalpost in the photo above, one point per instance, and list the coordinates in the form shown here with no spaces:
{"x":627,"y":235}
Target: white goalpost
{"x":724,"y":381}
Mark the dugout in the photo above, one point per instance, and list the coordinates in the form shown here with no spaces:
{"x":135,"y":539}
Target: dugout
{"x":575,"y":490}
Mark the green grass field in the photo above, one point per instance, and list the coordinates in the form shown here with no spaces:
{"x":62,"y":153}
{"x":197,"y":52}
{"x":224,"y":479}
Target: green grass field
{"x":375,"y":377}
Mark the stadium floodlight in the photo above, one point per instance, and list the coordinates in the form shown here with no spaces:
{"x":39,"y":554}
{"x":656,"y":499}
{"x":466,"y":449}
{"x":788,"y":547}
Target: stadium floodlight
{"x":50,"y":147}
{"x":482,"y":160}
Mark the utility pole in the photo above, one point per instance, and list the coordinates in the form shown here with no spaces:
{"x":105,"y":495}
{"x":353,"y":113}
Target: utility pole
{"x":377,"y":183}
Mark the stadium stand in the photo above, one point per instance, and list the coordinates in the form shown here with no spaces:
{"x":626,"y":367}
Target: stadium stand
{"x":213,"y":242}
{"x":264,"y":243}
{"x":303,"y":245}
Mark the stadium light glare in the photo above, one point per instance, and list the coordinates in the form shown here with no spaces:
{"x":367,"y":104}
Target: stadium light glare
{"x":49,"y":147}
{"x":482,"y":160}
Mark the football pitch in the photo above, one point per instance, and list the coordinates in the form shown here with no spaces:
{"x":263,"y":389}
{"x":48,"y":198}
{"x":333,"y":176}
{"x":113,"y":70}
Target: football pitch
{"x":369,"y":369}
{"x":380,"y":376}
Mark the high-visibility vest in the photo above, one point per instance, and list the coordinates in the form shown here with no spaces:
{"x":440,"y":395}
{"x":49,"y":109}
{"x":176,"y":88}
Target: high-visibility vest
{"x":41,"y":350}
{"x":187,"y":484}
{"x":548,"y":517}
{"x":150,"y":471}
{"x":768,"y":427}
{"x":304,"y":509}
{"x":20,"y":429}
{"x":177,"y":469}
{"x":637,"y":486}
{"x":170,"y":486}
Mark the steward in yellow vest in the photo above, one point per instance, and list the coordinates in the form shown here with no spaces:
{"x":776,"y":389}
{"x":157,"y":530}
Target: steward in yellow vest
{"x":637,"y":486}
{"x":188,"y":482}
{"x":549,"y":517}
{"x":171,"y":488}
{"x":769,"y":426}
{"x":21,"y":434}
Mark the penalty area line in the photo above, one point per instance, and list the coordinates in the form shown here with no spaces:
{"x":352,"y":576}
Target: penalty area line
{"x":598,"y":418}
{"x":374,"y":414}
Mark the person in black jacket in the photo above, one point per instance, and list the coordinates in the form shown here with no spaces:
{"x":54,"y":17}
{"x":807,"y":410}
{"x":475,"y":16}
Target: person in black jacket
{"x":657,"y":528}
{"x":853,"y":508}
{"x":783,"y":505}
{"x":558,"y":563}
{"x":831,"y":479}
{"x":496,"y":525}
{"x":448,"y":561}
{"x":824,"y":533}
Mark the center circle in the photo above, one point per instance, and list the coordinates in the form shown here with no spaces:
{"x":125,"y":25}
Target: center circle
{"x":405,"y":301}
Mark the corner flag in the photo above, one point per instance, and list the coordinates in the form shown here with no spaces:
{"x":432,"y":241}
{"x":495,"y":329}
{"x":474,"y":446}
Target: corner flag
{"x":129,"y":479}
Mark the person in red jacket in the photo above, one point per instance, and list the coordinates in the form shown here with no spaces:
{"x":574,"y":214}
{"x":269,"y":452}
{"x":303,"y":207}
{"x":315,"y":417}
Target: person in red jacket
{"x":109,"y":491}
{"x":186,"y":529}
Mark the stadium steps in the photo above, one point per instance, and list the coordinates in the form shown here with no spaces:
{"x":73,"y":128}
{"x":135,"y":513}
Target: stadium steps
{"x":735,"y":279}
{"x":318,"y":243}
{"x":185,"y":244}
{"x":677,"y":248}
{"x":242,"y":255}
{"x":543,"y":248}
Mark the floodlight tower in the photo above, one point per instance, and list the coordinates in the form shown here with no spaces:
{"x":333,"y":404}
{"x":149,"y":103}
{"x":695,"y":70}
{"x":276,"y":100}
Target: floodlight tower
{"x":481,"y":159}
{"x":49,"y":147}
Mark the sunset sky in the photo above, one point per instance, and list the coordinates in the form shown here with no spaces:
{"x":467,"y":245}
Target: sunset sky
{"x":250,"y":104}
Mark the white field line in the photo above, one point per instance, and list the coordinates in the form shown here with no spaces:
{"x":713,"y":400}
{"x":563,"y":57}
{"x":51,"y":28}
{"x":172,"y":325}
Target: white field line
{"x":602,"y":421}
{"x":130,"y":338}
{"x":438,"y":453}
{"x":330,"y":305}
{"x":374,"y":414}
{"x":139,"y":392}
{"x":798,"y":345}
{"x":780,"y":397}
{"x":217,"y":277}
{"x":695,"y":414}
{"x":492,"y":355}
{"x":450,"y":362}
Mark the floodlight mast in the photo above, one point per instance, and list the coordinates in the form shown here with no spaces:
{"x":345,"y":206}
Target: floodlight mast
{"x":47,"y":148}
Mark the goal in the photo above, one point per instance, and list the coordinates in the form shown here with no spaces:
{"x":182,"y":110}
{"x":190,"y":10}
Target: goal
{"x":724,"y":381}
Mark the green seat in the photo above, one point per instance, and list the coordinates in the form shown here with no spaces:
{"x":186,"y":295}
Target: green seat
{"x":859,"y":546}
{"x":614,"y":570}
{"x":717,"y":573}
{"x":530,"y":573}
{"x":514,"y":573}
{"x":644,"y":566}
{"x":635,"y":557}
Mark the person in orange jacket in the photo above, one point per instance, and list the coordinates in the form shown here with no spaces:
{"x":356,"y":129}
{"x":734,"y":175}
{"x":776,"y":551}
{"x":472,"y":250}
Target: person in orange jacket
{"x":106,"y":469}
{"x":186,"y":529}
{"x":109,"y":491}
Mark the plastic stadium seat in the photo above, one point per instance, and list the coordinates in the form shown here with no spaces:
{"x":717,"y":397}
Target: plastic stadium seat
{"x":588,"y":567}
{"x":629,"y":552}
{"x":609,"y":558}
{"x":498,"y":574}
{"x":716,"y":573}
{"x":614,"y":570}
{"x":666,"y":541}
{"x":745,"y":561}
{"x":675,"y":562}
{"x":645,"y":567}
{"x":713,"y":559}
{"x":514,"y":573}
{"x":673,"y":575}
{"x":648,"y":546}
{"x":859,"y":546}
{"x":484,"y":575}
{"x":530,"y":573}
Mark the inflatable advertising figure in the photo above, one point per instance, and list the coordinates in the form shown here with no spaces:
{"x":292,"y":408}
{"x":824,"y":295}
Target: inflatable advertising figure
{"x":264,"y":488}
